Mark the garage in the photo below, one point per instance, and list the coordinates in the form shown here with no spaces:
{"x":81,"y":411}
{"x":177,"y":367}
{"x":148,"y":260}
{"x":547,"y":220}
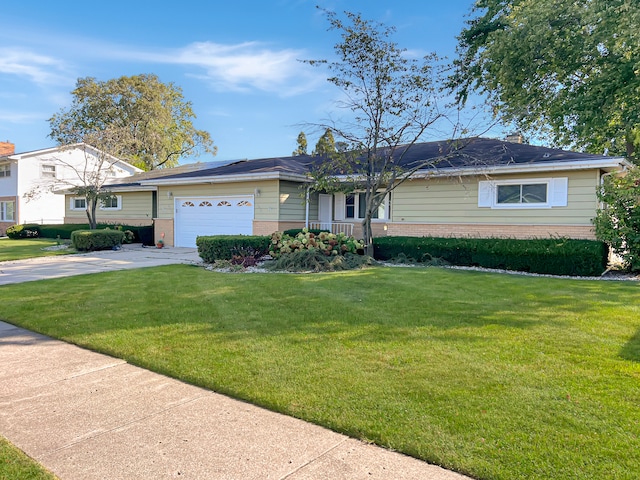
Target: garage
{"x":197,"y":216}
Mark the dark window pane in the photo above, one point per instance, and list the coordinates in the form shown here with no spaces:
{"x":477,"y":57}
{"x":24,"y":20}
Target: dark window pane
{"x":536,"y":193}
{"x":508,"y":193}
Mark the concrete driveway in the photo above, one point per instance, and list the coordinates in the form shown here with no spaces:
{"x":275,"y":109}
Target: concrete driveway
{"x":130,"y":256}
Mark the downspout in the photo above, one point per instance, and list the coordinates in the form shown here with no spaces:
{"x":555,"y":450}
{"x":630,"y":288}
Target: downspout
{"x":624,"y":170}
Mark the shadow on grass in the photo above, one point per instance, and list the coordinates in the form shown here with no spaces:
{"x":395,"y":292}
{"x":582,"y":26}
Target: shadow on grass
{"x":631,"y":350}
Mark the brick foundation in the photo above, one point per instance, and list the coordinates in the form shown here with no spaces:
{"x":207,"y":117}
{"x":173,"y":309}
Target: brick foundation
{"x":490,"y":231}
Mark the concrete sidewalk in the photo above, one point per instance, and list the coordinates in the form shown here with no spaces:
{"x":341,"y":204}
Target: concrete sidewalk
{"x":86,"y":416}
{"x":130,"y":256}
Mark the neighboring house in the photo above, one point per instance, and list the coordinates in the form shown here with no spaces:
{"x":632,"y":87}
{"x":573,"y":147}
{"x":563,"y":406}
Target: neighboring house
{"x":489,"y":188}
{"x":28,"y":180}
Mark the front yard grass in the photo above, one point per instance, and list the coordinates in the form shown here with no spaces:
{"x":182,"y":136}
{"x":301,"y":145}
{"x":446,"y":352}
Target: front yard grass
{"x":15,"y":465}
{"x":493,"y":375}
{"x":20,"y":249}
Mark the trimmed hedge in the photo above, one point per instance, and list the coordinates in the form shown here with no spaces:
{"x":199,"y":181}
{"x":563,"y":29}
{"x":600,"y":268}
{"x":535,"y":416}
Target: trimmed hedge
{"x":23,"y":231}
{"x":228,"y":247}
{"x":554,"y":256}
{"x":91,"y":240}
{"x":141,"y":234}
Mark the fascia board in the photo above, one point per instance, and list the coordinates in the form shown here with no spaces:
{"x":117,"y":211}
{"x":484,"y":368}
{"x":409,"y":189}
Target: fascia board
{"x":227,"y":179}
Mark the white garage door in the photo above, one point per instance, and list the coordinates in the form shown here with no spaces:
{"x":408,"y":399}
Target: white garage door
{"x":212,"y":216}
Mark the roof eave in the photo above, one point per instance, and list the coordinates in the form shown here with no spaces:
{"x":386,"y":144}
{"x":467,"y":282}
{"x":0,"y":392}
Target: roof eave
{"x":607,"y":164}
{"x":247,"y":177}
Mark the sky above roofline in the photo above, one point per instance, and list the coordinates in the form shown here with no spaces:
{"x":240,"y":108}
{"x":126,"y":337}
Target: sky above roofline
{"x":238,"y":63}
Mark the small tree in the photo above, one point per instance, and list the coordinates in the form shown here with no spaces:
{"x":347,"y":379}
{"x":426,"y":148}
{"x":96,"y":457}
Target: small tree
{"x":392,"y":99}
{"x":302,"y":145}
{"x":88,"y":178}
{"x":618,"y":221}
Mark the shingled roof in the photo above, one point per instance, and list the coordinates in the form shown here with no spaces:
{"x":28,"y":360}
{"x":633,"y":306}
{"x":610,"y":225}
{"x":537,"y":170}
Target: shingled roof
{"x":442,"y":156}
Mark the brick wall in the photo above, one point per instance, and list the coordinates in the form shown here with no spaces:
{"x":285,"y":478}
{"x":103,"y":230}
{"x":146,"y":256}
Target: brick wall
{"x":164,"y":225}
{"x":489,"y":231}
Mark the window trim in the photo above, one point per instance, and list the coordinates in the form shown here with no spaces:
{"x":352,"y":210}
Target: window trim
{"x":557,"y":190}
{"x":5,"y":170}
{"x":340,"y":207}
{"x":117,"y":207}
{"x":51,"y":173}
{"x":72,"y":204}
{"x":3,"y":210}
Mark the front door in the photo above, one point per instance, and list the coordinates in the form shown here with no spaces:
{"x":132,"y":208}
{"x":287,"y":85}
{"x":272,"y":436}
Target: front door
{"x":325,"y":210}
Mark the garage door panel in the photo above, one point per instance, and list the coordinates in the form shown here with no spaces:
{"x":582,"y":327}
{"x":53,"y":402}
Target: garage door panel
{"x":212,"y":216}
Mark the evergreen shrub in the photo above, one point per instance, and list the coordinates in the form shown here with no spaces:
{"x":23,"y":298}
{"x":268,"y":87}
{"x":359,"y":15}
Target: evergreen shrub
{"x":554,"y":256}
{"x":92,"y":240}
{"x":232,"y":247}
{"x":23,"y":231}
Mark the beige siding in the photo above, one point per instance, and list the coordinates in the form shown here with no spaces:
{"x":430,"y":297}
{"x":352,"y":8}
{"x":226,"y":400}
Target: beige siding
{"x":135,"y":206}
{"x":292,"y":202}
{"x":456,"y":201}
{"x":266,"y":196}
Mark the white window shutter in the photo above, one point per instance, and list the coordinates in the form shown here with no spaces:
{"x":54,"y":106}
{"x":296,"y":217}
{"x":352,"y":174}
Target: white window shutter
{"x":338,"y":206}
{"x":485,"y":194}
{"x":559,"y":191}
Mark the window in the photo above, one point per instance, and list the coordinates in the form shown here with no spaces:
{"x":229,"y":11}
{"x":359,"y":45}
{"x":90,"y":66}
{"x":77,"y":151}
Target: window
{"x":353,"y":206}
{"x":114,"y":202}
{"x":78,"y":203}
{"x":7,"y":211}
{"x":522,"y":193}
{"x":530,"y":193}
{"x":5,"y":170}
{"x":48,"y":171}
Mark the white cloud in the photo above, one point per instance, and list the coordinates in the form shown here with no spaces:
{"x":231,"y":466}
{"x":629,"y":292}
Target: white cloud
{"x":243,"y":67}
{"x":40,"y":69}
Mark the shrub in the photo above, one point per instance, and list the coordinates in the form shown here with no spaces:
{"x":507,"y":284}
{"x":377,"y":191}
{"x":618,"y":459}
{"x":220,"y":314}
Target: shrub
{"x":555,"y":256}
{"x":23,"y":231}
{"x":324,"y":242}
{"x":142,"y":234}
{"x":232,"y":247}
{"x":316,"y":261}
{"x":91,"y":240}
{"x":295,"y":231}
{"x":618,"y":223}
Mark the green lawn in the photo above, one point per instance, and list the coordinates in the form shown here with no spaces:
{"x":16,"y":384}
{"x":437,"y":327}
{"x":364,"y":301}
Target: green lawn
{"x":28,"y":248}
{"x":496,"y":376}
{"x":15,"y":465}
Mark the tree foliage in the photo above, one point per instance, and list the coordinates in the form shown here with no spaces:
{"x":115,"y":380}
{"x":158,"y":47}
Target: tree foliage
{"x":567,"y":69}
{"x":326,"y":144}
{"x":151,"y":119}
{"x":302,"y":145}
{"x":390,"y":101}
{"x":618,"y":222}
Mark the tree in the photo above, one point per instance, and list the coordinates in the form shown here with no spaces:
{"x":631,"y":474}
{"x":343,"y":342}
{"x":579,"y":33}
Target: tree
{"x":302,"y":145}
{"x":326,"y":144}
{"x":567,"y":70}
{"x":152,"y":119}
{"x":618,"y":221}
{"x":391,"y":100}
{"x":85,"y":174}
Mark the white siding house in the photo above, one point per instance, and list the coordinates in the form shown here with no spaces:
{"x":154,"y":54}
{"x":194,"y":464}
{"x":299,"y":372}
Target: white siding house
{"x":28,"y":181}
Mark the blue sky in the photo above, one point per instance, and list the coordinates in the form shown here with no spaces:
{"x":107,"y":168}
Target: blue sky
{"x":237,"y":62}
